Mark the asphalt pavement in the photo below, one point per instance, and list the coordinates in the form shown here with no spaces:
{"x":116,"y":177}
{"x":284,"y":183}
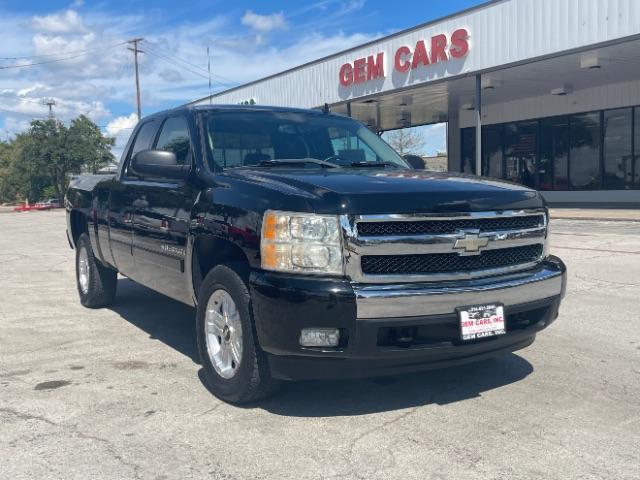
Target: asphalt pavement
{"x":116,"y":393}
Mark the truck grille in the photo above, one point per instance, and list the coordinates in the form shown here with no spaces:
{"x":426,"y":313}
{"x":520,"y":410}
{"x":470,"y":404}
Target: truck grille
{"x":392,"y":248}
{"x":378,"y":229}
{"x":449,"y":262}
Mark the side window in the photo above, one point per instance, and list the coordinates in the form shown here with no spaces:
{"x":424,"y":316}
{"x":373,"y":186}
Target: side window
{"x":143,"y":140}
{"x":174,"y":137}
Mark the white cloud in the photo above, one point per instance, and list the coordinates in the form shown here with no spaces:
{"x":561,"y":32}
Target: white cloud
{"x":264,"y":23}
{"x":170,"y":75}
{"x":28,"y":103}
{"x":120,"y":128}
{"x":104,"y":77}
{"x":66,"y":22}
{"x":115,"y":126}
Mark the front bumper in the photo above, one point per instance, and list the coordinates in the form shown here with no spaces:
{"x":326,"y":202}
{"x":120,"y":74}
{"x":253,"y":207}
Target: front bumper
{"x":372,"y":317}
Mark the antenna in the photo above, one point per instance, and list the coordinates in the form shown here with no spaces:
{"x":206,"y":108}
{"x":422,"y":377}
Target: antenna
{"x":49,"y":102}
{"x":209,"y":70}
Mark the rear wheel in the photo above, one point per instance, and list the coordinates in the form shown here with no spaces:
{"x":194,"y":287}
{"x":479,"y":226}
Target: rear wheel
{"x":96,"y":283}
{"x":235,"y":369}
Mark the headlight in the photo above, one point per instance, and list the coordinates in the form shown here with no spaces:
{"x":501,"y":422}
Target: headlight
{"x":301,"y":242}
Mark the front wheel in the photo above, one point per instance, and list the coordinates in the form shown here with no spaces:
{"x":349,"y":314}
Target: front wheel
{"x":96,"y":283}
{"x":235,"y":369}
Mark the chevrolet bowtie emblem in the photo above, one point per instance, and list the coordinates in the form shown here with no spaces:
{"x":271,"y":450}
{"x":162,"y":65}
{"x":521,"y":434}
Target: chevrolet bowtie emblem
{"x":471,"y":243}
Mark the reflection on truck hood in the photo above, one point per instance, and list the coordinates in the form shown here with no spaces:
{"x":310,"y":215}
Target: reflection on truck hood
{"x":392,"y":191}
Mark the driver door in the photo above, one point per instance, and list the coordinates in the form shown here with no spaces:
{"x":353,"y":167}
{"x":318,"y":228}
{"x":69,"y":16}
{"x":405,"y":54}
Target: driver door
{"x":161,"y":216}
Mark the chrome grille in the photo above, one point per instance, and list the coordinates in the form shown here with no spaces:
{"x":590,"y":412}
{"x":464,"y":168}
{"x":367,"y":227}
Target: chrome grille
{"x":449,"y":226}
{"x":449,"y":262}
{"x":420,"y":248}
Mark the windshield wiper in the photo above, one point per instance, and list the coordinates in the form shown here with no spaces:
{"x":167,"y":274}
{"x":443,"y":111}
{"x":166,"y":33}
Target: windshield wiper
{"x":373,"y":164}
{"x":293,"y":161}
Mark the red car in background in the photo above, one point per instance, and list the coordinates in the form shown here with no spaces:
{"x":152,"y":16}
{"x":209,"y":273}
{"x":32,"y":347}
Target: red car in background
{"x":46,"y":205}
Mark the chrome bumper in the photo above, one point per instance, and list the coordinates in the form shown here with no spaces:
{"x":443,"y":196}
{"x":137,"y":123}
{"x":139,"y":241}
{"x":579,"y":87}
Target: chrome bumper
{"x":409,"y":300}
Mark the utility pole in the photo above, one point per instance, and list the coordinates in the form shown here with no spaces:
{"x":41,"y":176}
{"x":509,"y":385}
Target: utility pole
{"x":49,"y":102}
{"x":135,"y":51}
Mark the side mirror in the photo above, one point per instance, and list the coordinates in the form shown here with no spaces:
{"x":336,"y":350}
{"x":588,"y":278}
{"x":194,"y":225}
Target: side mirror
{"x":158,"y":164}
{"x":415,"y":161}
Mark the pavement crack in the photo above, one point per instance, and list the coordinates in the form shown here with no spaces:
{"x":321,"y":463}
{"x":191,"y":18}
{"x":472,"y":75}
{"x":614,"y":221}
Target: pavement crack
{"x":74,"y":429}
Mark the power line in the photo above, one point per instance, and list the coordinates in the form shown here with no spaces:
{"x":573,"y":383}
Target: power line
{"x":6,"y":67}
{"x":175,"y":64}
{"x":177,"y":60}
{"x":72,"y":52}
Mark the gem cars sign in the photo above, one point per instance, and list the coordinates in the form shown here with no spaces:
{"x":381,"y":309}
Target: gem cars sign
{"x":440,"y":48}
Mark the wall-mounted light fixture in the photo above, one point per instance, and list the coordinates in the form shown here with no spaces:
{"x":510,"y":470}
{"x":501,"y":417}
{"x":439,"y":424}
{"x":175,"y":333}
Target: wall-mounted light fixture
{"x":591,"y":61}
{"x":563,"y":90}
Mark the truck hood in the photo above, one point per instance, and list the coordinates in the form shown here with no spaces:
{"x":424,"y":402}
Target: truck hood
{"x":360,"y":191}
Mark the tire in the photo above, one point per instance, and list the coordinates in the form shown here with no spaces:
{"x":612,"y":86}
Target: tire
{"x":235,"y":382}
{"x":96,"y":283}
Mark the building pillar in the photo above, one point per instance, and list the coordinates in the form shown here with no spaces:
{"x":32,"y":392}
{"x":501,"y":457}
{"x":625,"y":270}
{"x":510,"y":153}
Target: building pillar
{"x":453,"y":139}
{"x":478,"y":125}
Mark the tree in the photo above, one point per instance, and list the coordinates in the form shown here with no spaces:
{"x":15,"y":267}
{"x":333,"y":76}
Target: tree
{"x":405,"y":140}
{"x":43,"y":158}
{"x":86,"y":142}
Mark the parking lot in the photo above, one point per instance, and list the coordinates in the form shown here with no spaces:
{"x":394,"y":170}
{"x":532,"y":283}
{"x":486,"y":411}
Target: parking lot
{"x":116,"y":393}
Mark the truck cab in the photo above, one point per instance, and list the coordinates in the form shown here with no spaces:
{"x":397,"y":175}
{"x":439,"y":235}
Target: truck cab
{"x":310,"y":249}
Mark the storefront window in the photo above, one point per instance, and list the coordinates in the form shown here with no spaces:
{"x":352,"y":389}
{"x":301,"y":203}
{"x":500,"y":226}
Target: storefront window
{"x":520,"y":152}
{"x":554,"y":154}
{"x":468,"y":150}
{"x":492,"y":151}
{"x":584,"y":151}
{"x":617,"y":154}
{"x":636,"y":126}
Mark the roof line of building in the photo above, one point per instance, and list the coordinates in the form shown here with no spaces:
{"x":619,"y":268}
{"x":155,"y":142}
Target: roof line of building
{"x":480,"y":6}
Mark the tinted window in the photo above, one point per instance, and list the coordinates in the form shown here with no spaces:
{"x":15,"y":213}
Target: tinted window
{"x":144,"y":138}
{"x":174,"y":137}
{"x":238,"y":139}
{"x":468,"y":150}
{"x":492,"y":151}
{"x":520,"y":152}
{"x":618,"y":159}
{"x":584,"y":151}
{"x":554,"y":154}
{"x":636,"y":126}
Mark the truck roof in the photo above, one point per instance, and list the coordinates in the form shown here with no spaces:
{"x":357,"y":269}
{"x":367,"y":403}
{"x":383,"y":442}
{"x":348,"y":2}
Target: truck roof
{"x":236,"y":108}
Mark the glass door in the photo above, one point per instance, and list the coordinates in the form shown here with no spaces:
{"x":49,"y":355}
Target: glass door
{"x":520,"y":141}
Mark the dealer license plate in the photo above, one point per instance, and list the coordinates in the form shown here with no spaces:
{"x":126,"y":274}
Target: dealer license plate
{"x":481,"y":321}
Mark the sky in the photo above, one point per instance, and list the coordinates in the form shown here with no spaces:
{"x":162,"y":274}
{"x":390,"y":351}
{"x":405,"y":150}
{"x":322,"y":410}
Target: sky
{"x":247,"y":41}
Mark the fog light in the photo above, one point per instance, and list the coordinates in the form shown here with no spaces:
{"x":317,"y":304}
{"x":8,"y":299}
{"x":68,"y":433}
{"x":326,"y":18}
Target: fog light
{"x":319,"y":337}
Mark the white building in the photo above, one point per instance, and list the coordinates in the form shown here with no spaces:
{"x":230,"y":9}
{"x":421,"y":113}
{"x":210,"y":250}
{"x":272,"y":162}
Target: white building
{"x":556,"y":83}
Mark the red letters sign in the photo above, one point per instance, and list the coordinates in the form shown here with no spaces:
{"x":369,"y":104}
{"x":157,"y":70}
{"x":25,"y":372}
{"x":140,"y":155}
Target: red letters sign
{"x":362,"y":70}
{"x":439,"y":49}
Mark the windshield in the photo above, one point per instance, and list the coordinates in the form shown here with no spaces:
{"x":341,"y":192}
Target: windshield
{"x":254,"y":138}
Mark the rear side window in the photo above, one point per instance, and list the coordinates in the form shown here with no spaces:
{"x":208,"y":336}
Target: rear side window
{"x":174,"y":137}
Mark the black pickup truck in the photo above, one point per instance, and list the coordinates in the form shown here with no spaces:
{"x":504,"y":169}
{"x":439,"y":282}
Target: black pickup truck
{"x":311,"y":249}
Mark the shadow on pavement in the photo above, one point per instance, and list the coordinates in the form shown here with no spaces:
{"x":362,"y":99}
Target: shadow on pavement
{"x":173,"y":323}
{"x":365,"y":396}
{"x":164,"y":319}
